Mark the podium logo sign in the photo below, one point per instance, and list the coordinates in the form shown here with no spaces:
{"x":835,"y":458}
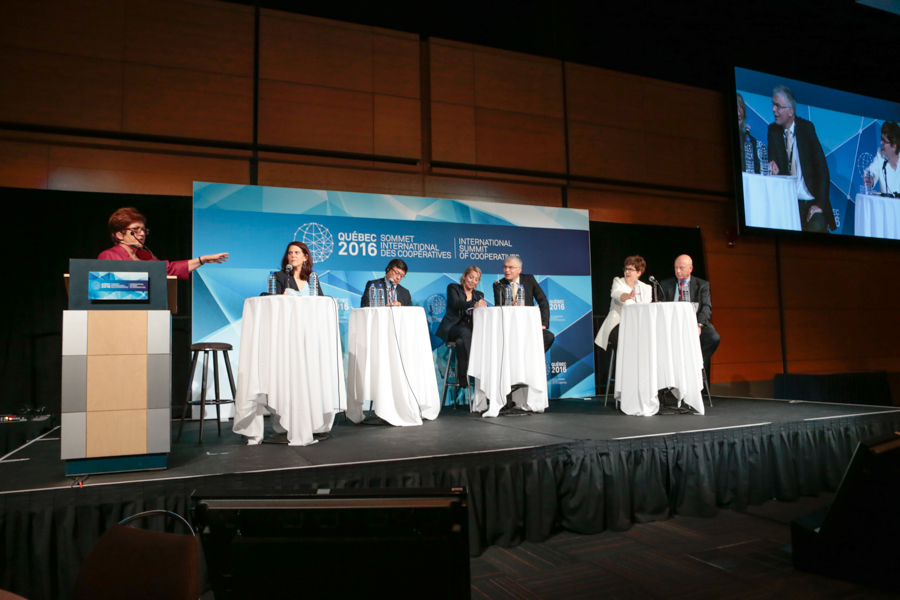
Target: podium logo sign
{"x":118,"y":285}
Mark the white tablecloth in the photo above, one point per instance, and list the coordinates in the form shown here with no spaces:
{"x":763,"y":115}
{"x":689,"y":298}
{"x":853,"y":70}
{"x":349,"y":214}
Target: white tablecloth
{"x":290,"y":365}
{"x":658,"y":348}
{"x":877,"y":217}
{"x":508,"y":348}
{"x":391,"y":364}
{"x":771,"y":201}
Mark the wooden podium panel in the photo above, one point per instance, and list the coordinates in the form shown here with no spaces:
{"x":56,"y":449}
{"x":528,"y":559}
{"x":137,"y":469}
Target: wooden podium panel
{"x":108,"y":392}
{"x":116,"y":433}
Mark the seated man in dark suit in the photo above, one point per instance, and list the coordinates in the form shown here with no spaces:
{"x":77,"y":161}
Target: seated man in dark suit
{"x":512,"y":269}
{"x":684,"y":288}
{"x":395,"y":294}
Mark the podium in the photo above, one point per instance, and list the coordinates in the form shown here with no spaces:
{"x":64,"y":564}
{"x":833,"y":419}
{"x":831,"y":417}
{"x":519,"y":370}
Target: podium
{"x":116,"y":367}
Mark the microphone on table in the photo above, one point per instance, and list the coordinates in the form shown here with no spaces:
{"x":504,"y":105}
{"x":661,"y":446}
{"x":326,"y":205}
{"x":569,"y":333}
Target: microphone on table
{"x":390,"y":291}
{"x":656,"y":284}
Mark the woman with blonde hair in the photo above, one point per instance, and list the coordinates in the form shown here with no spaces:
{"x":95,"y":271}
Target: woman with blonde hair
{"x":462,"y":299}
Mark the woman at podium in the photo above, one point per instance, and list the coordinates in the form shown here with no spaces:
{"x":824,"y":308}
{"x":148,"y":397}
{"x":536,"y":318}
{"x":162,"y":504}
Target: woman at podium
{"x":456,"y":325}
{"x":625,"y":290}
{"x":128,"y":231}
{"x":298,"y":256}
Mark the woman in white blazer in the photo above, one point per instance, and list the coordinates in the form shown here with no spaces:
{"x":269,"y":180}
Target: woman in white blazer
{"x":625,"y":290}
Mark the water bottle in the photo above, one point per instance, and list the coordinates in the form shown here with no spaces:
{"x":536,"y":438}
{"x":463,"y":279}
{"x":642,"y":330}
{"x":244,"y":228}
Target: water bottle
{"x":272,"y":287}
{"x":373,"y":296}
{"x":637,"y":293}
{"x":748,"y":155}
{"x":520,"y":297}
{"x":507,"y":296}
{"x":313,"y":284}
{"x":763,"y":151}
{"x":380,"y":295}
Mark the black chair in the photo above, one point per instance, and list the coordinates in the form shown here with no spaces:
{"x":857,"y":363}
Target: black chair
{"x":203,"y":402}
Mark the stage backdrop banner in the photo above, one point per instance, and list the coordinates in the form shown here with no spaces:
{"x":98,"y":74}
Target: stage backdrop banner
{"x":353,"y":236}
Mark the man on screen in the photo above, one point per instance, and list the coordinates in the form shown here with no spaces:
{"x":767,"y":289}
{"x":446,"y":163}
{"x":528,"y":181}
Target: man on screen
{"x":685,"y":288}
{"x":513,"y":277}
{"x":395,"y":294}
{"x":794,"y":149}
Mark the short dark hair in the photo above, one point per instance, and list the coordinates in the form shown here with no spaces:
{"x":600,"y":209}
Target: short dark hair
{"x":891,"y":131}
{"x":398,"y":263}
{"x":307,"y":267}
{"x":637,"y":262}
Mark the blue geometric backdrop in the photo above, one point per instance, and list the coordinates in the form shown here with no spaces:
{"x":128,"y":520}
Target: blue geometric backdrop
{"x":353,"y":236}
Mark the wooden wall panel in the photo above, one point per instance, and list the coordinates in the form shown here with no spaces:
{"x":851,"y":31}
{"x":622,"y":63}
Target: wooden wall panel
{"x":395,"y":64}
{"x":507,"y":139}
{"x":615,"y":119}
{"x":47,"y":88}
{"x":315,"y":117}
{"x":315,"y":52}
{"x":89,"y":28}
{"x":23,"y":164}
{"x":192,"y":104}
{"x":517,"y":102}
{"x":452,"y":72}
{"x":397,"y":127}
{"x":453,"y":133}
{"x":317,"y":177}
{"x":460,"y":188}
{"x":211,"y":37}
{"x":94,"y":170}
{"x":518,"y":83}
{"x":334,"y":86}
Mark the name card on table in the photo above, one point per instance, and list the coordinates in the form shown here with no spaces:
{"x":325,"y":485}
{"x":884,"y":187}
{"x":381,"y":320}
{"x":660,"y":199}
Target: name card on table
{"x":118,"y":285}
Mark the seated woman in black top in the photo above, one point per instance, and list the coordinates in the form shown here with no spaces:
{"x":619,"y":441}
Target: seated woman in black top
{"x":456,"y":326}
{"x":299,"y":257}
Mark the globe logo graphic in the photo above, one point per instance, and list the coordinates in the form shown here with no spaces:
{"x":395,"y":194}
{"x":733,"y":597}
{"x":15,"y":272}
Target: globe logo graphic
{"x":437,"y":305}
{"x":319,"y":240}
{"x":95,"y":285}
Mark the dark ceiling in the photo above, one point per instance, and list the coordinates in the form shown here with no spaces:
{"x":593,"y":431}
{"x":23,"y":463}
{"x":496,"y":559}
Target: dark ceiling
{"x":837,"y":43}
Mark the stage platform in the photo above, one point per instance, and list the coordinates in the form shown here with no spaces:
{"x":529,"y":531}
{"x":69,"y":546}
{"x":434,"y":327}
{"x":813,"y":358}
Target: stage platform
{"x":580,"y":466}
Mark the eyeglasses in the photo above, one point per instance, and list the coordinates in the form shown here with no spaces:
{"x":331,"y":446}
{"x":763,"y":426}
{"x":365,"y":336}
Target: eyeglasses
{"x":630,"y":269}
{"x":779,"y":107}
{"x":139,"y":230}
{"x":398,"y":274}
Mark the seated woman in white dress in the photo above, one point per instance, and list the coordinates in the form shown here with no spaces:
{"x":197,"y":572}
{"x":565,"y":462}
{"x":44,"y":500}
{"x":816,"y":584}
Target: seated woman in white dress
{"x":884,"y":170}
{"x":625,"y":290}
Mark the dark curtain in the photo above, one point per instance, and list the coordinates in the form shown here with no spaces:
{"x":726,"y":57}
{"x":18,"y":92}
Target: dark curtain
{"x":612,"y":243}
{"x":41,"y":230}
{"x":582,"y":486}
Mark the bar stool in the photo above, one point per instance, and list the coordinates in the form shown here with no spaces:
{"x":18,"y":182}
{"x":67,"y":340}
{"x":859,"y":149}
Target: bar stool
{"x":206,"y":348}
{"x":455,"y":383}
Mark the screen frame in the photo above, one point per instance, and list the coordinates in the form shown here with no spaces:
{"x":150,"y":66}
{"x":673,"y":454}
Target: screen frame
{"x":730,"y":99}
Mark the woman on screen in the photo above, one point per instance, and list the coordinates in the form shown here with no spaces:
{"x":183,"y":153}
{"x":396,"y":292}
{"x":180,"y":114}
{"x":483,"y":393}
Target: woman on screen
{"x":456,"y":326}
{"x":297,"y":255}
{"x":884,"y":170}
{"x":128,"y":231}
{"x":625,"y":291}
{"x":745,"y":136}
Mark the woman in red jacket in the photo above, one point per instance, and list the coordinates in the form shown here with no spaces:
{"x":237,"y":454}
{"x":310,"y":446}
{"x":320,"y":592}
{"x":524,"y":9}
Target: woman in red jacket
{"x":128,"y":230}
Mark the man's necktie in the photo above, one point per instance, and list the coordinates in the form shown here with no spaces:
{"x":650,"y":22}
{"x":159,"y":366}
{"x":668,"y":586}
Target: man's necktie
{"x":681,"y":291}
{"x":789,"y":146}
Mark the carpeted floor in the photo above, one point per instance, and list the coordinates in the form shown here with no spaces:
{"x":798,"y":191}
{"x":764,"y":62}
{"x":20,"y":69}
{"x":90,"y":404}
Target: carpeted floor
{"x":737,"y":554}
